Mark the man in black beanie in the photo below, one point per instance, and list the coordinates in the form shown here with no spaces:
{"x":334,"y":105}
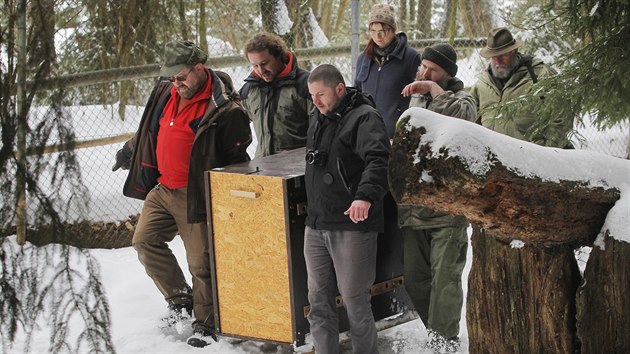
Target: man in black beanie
{"x":435,"y":243}
{"x":436,"y":88}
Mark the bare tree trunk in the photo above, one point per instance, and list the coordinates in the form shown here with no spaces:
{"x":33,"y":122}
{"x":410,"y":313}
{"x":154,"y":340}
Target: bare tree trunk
{"x":423,"y":18}
{"x":268,"y":14}
{"x":126,"y":37}
{"x":412,"y":12}
{"x":450,"y":23}
{"x":341,"y":12}
{"x":476,"y":16}
{"x":326,"y":21}
{"x":403,"y":15}
{"x":42,"y":45}
{"x":183,"y":20}
{"x":203,"y":26}
{"x":603,"y":309}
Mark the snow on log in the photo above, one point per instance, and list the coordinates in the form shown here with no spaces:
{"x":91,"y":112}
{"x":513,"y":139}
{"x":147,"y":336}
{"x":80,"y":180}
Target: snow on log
{"x":515,"y":189}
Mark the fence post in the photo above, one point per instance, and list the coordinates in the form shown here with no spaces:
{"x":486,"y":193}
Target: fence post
{"x":20,"y":211}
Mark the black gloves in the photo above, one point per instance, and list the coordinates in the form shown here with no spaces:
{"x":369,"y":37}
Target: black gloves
{"x":123,"y":158}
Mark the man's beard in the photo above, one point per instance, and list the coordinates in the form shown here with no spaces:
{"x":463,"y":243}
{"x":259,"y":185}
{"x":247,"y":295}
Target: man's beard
{"x":190,"y":92}
{"x":504,"y":71}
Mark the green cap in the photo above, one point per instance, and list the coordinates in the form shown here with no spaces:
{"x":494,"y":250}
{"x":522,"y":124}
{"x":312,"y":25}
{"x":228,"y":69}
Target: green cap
{"x":178,"y":54}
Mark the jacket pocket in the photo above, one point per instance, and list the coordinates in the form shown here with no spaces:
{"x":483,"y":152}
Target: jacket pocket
{"x":344,"y":176}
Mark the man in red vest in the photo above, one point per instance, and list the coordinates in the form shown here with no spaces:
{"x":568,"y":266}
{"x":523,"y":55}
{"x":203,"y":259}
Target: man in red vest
{"x":192,"y":123}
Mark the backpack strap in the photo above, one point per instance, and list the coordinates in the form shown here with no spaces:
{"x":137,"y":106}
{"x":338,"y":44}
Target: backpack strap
{"x":530,"y":69}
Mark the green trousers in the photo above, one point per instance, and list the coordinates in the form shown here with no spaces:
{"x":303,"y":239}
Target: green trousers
{"x":434,"y":260}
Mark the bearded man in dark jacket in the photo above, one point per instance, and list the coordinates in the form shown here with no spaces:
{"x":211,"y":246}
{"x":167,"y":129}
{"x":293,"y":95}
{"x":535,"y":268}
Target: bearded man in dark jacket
{"x":192,"y":123}
{"x":346,"y":180}
{"x":275,"y":95}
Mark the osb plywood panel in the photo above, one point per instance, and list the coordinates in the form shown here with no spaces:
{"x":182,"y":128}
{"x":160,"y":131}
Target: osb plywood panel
{"x":251,"y":256}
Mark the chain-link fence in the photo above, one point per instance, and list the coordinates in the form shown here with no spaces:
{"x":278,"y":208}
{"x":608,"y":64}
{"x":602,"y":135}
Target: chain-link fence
{"x":109,"y":71}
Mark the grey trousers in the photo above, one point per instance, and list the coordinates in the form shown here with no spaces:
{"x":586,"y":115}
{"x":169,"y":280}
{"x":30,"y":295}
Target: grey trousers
{"x":163,"y":217}
{"x":344,"y":260}
{"x":433,"y":266}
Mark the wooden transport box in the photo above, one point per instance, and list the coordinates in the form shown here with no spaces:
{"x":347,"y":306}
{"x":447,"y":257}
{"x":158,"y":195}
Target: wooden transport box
{"x":257,"y":216}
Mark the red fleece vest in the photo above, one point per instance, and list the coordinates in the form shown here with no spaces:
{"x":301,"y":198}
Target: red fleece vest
{"x":177,"y":134}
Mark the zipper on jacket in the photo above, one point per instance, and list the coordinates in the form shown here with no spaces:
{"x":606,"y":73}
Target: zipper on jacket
{"x":344,"y":178}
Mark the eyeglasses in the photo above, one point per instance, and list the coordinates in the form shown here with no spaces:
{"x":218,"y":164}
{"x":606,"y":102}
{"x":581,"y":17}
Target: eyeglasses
{"x":378,"y":33}
{"x":180,"y":78}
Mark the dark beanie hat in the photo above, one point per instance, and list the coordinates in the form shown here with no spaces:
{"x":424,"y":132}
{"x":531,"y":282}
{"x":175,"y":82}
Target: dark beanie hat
{"x":443,"y":55}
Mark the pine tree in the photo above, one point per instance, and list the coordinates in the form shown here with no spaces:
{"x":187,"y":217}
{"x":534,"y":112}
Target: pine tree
{"x":42,"y":284}
{"x":592,"y":57}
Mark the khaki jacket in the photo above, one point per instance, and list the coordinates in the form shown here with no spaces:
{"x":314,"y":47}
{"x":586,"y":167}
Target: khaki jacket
{"x":489,"y":95}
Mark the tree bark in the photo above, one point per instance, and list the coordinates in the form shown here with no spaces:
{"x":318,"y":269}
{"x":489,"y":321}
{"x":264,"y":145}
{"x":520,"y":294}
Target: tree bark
{"x":521,"y":300}
{"x":476,"y":16}
{"x":603,"y":308}
{"x":423,"y":18}
{"x":326,"y":20}
{"x":203,"y":26}
{"x":341,"y":13}
{"x":106,"y":235}
{"x":450,"y":22}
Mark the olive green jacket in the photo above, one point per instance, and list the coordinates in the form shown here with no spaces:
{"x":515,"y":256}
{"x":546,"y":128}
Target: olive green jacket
{"x":489,"y":95}
{"x":454,"y":102}
{"x":279,"y":110}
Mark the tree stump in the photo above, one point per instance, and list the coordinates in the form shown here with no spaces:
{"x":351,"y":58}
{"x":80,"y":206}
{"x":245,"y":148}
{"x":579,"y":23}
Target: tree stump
{"x":603,"y":307}
{"x":521,"y":300}
{"x":524,"y":277}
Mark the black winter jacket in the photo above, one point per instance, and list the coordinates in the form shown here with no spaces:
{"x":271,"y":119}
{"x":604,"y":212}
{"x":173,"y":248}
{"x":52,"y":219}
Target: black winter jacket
{"x":221,"y":139}
{"x":356,"y":146}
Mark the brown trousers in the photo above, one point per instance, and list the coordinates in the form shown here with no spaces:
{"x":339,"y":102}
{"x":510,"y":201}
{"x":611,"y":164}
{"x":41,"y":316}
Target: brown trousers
{"x":163,"y":217}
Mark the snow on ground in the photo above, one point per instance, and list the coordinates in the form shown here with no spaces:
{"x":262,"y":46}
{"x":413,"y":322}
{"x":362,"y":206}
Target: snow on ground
{"x":136,"y":307}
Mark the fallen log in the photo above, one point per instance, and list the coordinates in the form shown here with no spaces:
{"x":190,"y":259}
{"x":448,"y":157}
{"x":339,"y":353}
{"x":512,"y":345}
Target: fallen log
{"x":82,"y":234}
{"x":533,"y":206}
{"x":509,"y":204}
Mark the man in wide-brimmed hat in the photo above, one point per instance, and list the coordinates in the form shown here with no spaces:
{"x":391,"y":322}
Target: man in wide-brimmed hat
{"x":510,"y":75}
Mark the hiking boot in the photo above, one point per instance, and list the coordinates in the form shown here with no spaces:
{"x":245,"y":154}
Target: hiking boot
{"x":203,"y":335}
{"x":177,"y":313}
